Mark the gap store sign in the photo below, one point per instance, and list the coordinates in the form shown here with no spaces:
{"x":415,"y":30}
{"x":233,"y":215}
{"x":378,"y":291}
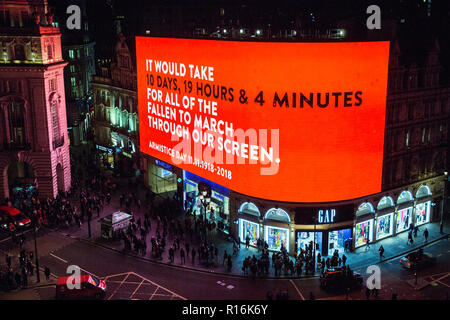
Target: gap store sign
{"x":324,"y":215}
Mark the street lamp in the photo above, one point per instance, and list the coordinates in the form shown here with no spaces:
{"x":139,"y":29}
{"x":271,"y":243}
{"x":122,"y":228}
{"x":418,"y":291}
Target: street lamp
{"x":36,"y":228}
{"x":314,"y":255}
{"x":444,"y":196}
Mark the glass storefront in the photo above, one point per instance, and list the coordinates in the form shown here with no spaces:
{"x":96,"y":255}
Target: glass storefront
{"x":305,"y":238}
{"x":403,"y":219}
{"x":384,"y":226}
{"x":364,"y":231}
{"x":250,"y":229}
{"x":161,"y":179}
{"x":422,"y":211}
{"x":337,"y":239}
{"x":275,"y":236}
{"x":208,"y":199}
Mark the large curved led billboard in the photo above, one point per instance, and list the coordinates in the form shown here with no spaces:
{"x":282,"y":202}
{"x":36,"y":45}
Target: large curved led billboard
{"x":297,"y":122}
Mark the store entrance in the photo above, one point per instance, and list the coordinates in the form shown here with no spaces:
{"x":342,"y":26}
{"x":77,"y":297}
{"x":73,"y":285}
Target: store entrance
{"x":339,"y":240}
{"x":305,"y":240}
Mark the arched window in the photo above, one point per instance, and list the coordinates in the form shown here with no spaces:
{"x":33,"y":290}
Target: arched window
{"x":365,"y":208}
{"x":249,"y":208}
{"x":423,"y":192}
{"x":405,"y":197}
{"x":277,"y":215}
{"x":385,"y":202}
{"x":55,"y":121}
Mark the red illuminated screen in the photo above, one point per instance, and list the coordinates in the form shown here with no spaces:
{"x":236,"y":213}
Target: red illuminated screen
{"x":297,"y":122}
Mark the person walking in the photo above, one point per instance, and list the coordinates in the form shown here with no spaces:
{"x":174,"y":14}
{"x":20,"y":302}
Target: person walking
{"x":410,"y":238}
{"x":381,"y":250}
{"x":344,"y":259}
{"x":182,"y":256}
{"x":193,"y":256}
{"x":416,"y":230}
{"x":47,"y":273}
{"x":367,"y":293}
{"x":247,"y":242}
{"x":367,"y":244}
{"x":425,"y":234}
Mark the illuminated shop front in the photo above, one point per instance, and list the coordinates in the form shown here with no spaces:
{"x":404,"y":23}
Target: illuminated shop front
{"x":422,"y":210}
{"x":276,"y":236}
{"x":250,"y":229}
{"x":331,"y":225}
{"x":403,"y":219}
{"x":384,"y":226}
{"x":106,"y":156}
{"x":339,"y":240}
{"x":249,"y":222}
{"x":306,"y":239}
{"x":385,"y":218}
{"x":364,"y":225}
{"x":161,"y":177}
{"x":206,"y":198}
{"x":363,"y":232}
{"x":404,"y":213}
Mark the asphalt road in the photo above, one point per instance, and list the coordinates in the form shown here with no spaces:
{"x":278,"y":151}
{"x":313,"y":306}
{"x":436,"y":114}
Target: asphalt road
{"x":128,"y":277}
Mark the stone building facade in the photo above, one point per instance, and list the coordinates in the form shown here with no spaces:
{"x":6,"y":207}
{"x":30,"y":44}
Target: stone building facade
{"x":33,"y":132}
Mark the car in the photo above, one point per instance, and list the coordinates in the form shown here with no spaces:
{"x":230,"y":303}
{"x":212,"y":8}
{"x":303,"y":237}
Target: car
{"x":90,"y":287}
{"x":417,"y":259}
{"x":12,"y":219}
{"x":338,"y":280}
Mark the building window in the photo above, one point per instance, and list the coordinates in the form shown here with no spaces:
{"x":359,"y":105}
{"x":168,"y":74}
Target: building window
{"x":16,"y":122}
{"x":423,"y":134}
{"x":50,"y":52}
{"x":71,"y":54}
{"x":52,"y":84}
{"x":19,"y":52}
{"x":73,"y":81}
{"x":55,"y":120}
{"x":72,"y":68}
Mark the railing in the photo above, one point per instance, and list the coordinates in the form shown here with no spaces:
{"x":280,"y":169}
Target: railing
{"x":59,"y":142}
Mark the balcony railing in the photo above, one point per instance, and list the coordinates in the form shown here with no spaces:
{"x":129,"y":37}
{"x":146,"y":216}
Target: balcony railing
{"x":59,"y":142}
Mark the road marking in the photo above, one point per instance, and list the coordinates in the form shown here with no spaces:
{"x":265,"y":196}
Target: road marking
{"x":65,"y":261}
{"x":298,"y":291}
{"x":140,"y":284}
{"x":151,"y":297}
{"x":117,"y":286}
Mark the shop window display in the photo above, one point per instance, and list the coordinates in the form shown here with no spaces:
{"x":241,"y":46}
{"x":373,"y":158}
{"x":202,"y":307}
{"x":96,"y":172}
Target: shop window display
{"x":305,"y":238}
{"x":384,"y":226}
{"x":403,"y":219}
{"x":363,"y":233}
{"x":201,"y":199}
{"x":275,"y":237}
{"x":250,"y":229}
{"x":422,"y":212}
{"x":339,"y":240}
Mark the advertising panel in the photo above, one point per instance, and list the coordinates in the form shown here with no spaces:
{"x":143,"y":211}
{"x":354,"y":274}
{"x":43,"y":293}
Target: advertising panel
{"x":277,"y":121}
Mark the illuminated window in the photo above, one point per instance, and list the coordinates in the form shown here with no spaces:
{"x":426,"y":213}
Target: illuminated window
{"x":407,"y":139}
{"x":71,"y":54}
{"x":73,"y":81}
{"x":72,"y":69}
